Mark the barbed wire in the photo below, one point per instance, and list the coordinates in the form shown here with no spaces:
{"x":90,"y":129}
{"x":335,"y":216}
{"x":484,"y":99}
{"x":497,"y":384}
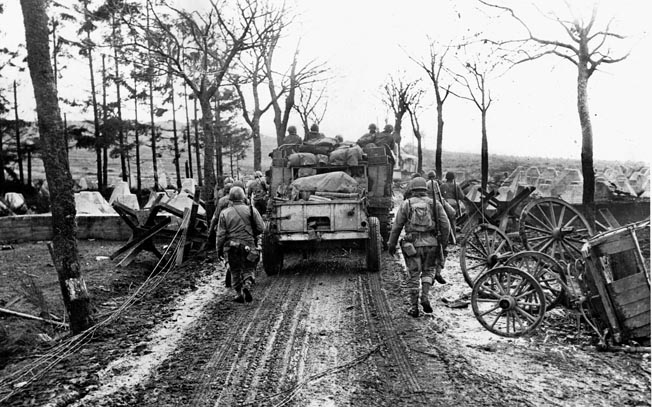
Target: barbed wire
{"x":19,"y":380}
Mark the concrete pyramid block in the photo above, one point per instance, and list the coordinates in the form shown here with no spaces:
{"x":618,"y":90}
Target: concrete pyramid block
{"x":92,"y":203}
{"x":121,"y":189}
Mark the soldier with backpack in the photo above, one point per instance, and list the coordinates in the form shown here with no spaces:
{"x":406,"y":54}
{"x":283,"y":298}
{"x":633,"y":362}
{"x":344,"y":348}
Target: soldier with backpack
{"x":239,"y":231}
{"x":424,"y":244}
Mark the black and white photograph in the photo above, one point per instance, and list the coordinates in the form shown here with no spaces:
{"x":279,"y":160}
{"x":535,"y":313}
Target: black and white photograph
{"x":325,"y":203}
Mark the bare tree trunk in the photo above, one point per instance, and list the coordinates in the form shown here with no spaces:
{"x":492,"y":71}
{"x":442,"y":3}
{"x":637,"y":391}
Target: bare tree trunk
{"x":57,"y":171}
{"x":197,"y":152}
{"x":139,"y":184}
{"x":177,"y":156}
{"x":209,"y":151}
{"x":440,"y":137}
{"x":188,"y":140}
{"x":105,"y":142}
{"x":255,"y":135}
{"x":150,"y":80}
{"x":484,"y":154}
{"x":153,"y":134}
{"x":29,"y":167}
{"x":419,"y":154}
{"x":54,"y":53}
{"x":2,"y":165}
{"x":19,"y":151}
{"x":588,"y":173}
{"x":96,"y":119}
{"x":121,"y":135}
{"x":218,"y":143}
{"x":398,"y":119}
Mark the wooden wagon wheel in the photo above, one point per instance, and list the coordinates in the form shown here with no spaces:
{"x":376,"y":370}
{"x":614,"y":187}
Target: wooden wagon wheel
{"x":554,"y":227}
{"x":508,"y":302}
{"x":545,"y":270}
{"x":482,"y":248}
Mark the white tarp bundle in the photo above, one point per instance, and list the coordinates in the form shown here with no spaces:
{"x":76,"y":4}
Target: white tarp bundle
{"x":337,"y":181}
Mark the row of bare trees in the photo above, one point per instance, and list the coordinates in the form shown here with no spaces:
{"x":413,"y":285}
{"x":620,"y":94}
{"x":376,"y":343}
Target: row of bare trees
{"x":230,"y":49}
{"x":468,"y":70}
{"x":208,"y":51}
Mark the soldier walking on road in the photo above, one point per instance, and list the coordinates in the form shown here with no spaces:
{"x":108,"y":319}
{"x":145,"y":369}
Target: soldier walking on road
{"x":424,"y":245}
{"x":238,"y":236}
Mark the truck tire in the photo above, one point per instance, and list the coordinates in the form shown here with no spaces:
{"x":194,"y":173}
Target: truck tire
{"x":373,"y":246}
{"x":385,"y":219}
{"x":272,"y":255}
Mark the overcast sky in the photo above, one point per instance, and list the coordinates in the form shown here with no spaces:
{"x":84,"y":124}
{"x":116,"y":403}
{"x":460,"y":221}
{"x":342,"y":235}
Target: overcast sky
{"x":534,"y":111}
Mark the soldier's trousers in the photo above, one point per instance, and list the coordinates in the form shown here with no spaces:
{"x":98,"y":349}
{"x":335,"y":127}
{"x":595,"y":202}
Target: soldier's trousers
{"x":241,"y":268}
{"x":421,"y":266}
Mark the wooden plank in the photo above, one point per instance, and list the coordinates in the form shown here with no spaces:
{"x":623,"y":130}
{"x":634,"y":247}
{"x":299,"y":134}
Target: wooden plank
{"x":601,"y":286}
{"x":638,"y":321}
{"x":641,"y":332}
{"x":181,"y":249}
{"x":629,"y":283}
{"x":623,"y":299}
{"x":614,"y":246}
{"x":609,"y":218}
{"x":633,"y":309}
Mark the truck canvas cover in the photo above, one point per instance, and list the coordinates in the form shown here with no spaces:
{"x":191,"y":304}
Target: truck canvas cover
{"x":337,"y":181}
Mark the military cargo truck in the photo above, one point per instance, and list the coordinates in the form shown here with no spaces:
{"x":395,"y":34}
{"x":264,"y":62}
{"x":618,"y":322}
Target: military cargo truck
{"x":322,"y":203}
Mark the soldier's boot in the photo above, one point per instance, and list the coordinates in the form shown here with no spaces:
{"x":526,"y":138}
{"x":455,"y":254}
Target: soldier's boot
{"x":425,"y":297}
{"x":438,"y":276}
{"x":414,"y":304}
{"x":227,"y":279}
{"x":239,"y":298}
{"x":246,"y":290}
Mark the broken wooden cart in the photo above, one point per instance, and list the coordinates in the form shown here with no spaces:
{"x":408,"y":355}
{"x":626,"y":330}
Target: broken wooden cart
{"x":609,"y":285}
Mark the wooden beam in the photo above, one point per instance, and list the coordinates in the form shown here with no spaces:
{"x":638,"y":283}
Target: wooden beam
{"x":29,"y":316}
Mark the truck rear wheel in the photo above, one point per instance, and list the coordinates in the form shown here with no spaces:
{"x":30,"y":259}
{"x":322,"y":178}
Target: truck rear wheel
{"x":272,"y":254}
{"x":373,"y":246}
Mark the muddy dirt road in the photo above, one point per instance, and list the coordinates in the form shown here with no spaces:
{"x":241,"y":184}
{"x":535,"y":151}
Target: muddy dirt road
{"x":331,"y":334}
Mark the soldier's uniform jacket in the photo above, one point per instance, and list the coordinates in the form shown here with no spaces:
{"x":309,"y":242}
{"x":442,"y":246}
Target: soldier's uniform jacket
{"x":292,"y":139}
{"x":258,"y":187}
{"x":448,"y":190}
{"x":222,"y":204}
{"x":235,"y":225}
{"x":419,"y":238}
{"x":384,"y":138}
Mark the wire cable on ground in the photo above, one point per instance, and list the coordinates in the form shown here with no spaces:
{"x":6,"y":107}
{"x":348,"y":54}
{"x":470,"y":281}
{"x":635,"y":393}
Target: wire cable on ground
{"x":19,"y":380}
{"x":294,"y":390}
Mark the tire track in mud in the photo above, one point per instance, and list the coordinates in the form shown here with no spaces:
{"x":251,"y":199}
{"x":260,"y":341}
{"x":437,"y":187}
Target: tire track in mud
{"x":224,"y":352}
{"x":237,"y":371}
{"x":381,"y":326}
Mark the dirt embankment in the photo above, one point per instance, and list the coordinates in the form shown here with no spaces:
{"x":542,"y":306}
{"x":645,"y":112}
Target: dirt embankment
{"x":325,"y":332}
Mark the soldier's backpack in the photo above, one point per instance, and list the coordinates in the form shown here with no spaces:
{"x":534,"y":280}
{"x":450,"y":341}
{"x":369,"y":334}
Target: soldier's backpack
{"x":420,"y":215}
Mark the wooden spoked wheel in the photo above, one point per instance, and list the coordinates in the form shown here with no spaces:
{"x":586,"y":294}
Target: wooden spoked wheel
{"x":508,"y":302}
{"x":545,"y":270}
{"x":554,"y":227}
{"x":482,"y":248}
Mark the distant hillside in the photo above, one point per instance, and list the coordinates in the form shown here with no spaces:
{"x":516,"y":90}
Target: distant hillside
{"x":82,"y":162}
{"x":469,"y":163}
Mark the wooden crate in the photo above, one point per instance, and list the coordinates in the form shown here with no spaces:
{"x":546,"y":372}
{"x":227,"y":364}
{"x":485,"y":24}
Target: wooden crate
{"x":378,"y":160}
{"x":375,"y":151}
{"x":631,"y":299}
{"x":621,"y":285}
{"x":279,"y":162}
